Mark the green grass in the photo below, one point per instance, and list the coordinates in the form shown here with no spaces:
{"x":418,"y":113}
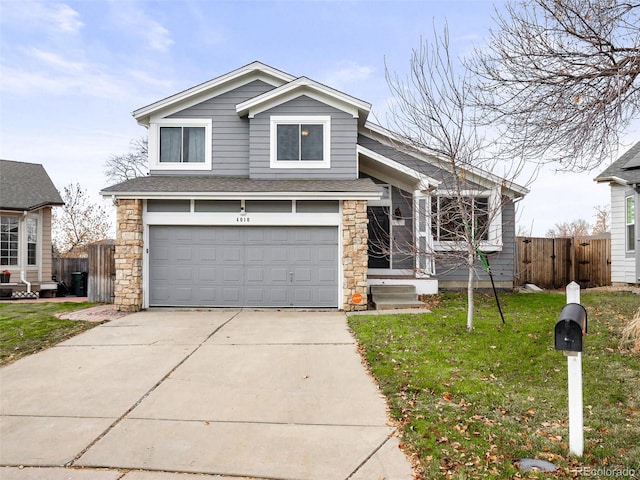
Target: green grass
{"x":26,"y":328}
{"x":469,"y":405}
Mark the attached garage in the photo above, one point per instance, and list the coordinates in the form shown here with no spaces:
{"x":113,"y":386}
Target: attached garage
{"x":243,"y":266}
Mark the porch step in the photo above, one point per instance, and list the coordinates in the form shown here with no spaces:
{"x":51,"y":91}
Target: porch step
{"x":388,"y":297}
{"x":392,"y":289}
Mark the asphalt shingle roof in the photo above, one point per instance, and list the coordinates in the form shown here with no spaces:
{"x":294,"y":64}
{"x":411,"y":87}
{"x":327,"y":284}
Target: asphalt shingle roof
{"x":26,"y":186}
{"x":211,"y":184}
{"x":627,"y":167}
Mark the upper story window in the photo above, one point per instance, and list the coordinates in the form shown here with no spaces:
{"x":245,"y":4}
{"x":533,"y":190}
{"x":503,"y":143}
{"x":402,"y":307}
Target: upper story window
{"x":300,"y":142}
{"x":630,"y":223}
{"x":180,"y":144}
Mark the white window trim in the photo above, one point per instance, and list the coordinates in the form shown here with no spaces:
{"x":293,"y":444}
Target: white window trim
{"x":627,"y":224}
{"x":154,"y":143}
{"x":323,"y":120}
{"x":38,"y":220}
{"x":494,"y":242}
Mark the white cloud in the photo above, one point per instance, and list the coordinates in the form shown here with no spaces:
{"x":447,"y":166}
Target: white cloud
{"x":347,"y":73}
{"x":66,"y":18}
{"x":55,"y":17}
{"x":137,"y":22}
{"x":51,"y":73}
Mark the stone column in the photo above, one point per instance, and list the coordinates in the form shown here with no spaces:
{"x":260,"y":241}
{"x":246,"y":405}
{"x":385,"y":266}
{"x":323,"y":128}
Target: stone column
{"x":128,"y":256}
{"x":355,"y":258}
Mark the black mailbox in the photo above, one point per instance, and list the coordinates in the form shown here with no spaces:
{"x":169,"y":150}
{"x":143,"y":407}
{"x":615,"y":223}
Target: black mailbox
{"x":571,"y":327}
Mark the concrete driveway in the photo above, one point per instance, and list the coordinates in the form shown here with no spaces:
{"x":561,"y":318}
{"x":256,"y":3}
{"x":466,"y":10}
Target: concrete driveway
{"x":160,"y":394}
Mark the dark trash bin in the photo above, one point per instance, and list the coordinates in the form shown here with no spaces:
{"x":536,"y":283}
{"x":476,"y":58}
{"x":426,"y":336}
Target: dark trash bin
{"x":79,"y":284}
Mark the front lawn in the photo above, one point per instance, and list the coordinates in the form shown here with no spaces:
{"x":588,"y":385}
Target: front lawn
{"x":26,"y":328}
{"x":470,"y":405}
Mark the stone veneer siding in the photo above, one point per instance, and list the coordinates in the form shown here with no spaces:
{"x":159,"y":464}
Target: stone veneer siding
{"x":355,"y":260}
{"x":128,"y":256}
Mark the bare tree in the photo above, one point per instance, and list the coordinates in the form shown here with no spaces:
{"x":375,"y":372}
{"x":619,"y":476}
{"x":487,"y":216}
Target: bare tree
{"x":563,"y":77}
{"x":574,"y":228}
{"x":603,"y":220}
{"x":120,"y":168}
{"x":433,"y":114}
{"x":79,"y":222}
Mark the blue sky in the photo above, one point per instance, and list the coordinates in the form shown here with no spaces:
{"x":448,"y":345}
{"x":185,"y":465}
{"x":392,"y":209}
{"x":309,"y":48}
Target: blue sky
{"x":72,"y":72}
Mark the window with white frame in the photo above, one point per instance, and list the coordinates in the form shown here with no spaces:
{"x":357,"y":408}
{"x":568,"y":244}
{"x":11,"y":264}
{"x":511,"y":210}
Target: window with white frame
{"x":180,"y":144}
{"x":630,"y":223}
{"x":9,"y":241}
{"x":300,"y":142}
{"x":452,"y":218}
{"x":32,"y":241}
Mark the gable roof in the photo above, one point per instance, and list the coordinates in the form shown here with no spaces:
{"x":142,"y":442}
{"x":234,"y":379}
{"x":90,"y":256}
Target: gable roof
{"x":425,"y":162}
{"x":303,"y":85}
{"x":625,"y":170}
{"x":213,"y":87}
{"x":26,"y":186}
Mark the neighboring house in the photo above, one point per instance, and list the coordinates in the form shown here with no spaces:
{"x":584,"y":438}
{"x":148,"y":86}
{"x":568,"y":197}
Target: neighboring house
{"x":26,"y":197}
{"x":264,"y":190}
{"x":623,"y":176}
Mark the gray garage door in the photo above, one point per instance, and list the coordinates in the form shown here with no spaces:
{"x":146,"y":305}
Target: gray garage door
{"x":243,"y":266}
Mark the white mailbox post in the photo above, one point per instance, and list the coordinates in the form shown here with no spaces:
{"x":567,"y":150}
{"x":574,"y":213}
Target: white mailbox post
{"x":570,"y":328}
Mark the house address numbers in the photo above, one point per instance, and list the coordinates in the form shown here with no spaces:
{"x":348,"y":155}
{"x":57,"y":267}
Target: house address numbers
{"x":243,"y":219}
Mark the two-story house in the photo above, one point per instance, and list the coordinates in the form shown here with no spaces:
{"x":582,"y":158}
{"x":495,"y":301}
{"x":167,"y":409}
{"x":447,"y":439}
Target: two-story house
{"x":269,"y":190}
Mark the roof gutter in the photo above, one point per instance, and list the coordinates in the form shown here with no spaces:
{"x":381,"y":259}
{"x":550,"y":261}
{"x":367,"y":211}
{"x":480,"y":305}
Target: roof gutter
{"x":244,"y":194}
{"x":611,"y":178}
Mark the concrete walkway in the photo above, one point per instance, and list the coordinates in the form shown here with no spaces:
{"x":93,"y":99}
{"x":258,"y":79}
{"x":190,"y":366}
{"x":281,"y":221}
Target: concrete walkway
{"x":162,"y":395}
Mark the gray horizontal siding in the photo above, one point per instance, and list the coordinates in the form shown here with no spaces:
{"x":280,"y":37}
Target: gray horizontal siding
{"x":230,"y":133}
{"x":344,"y":130}
{"x":502,"y":263}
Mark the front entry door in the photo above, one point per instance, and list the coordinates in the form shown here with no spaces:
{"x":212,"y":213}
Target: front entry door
{"x":379,"y":237}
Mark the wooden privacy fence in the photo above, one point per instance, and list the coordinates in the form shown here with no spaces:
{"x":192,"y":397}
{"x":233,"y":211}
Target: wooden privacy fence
{"x":102,"y":272}
{"x":100,"y":267}
{"x":63,"y":267}
{"x":555,"y":262}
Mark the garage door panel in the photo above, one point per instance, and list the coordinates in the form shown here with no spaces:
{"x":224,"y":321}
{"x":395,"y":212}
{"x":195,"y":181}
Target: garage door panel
{"x":230,"y":235}
{"x":303,"y":296}
{"x":243,"y":266}
{"x":231,"y":254}
{"x":303,"y":254}
{"x":326,"y":275}
{"x":327,"y":254}
{"x":182,"y":273}
{"x":255,"y":296}
{"x":208,"y":274}
{"x":207,"y":294}
{"x":207,"y":253}
{"x":255,"y":275}
{"x":183,"y":294}
{"x":302,"y":275}
{"x":278,"y":255}
{"x":279,"y":275}
{"x":326,"y":294}
{"x":231,"y":294}
{"x":232,"y":275}
{"x":255,"y":254}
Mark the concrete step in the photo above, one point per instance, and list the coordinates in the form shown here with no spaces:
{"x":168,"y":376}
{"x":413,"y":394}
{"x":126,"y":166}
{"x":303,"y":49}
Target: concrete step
{"x":394,"y":304}
{"x":393,"y":289}
{"x":386,"y":297}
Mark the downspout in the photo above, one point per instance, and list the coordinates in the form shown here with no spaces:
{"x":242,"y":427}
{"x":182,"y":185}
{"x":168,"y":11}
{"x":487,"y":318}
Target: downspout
{"x":23,"y":256}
